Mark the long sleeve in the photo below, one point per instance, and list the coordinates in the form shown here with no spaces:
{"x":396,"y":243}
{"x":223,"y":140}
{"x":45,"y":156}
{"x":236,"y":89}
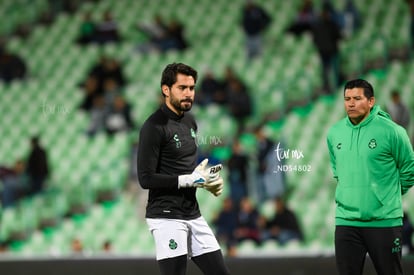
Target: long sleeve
{"x":332,"y":158}
{"x":149,"y":149}
{"x":404,"y":157}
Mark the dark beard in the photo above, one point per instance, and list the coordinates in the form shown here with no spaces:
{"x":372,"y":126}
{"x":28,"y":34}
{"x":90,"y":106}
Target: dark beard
{"x":179,"y":106}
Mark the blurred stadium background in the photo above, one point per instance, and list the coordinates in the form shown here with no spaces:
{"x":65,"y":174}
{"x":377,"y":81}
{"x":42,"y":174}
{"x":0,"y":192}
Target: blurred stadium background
{"x":284,"y":84}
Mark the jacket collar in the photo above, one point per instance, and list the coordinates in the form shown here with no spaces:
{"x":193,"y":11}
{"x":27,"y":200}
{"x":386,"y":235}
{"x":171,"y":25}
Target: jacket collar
{"x":170,"y":114}
{"x":366,"y":121}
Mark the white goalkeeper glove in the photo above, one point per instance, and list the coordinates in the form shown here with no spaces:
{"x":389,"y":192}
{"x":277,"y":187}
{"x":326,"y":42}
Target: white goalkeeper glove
{"x":201,"y":175}
{"x":214,"y":187}
{"x":214,"y":173}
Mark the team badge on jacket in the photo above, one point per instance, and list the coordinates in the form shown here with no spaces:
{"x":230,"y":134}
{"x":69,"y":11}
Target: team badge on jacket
{"x":372,"y":143}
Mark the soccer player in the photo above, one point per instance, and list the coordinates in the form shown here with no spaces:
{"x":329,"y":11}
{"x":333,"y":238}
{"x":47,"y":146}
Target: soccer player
{"x":373,"y":162}
{"x":167,"y":155}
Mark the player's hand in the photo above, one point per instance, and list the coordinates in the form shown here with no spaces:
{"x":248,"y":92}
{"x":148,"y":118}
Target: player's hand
{"x":215,"y":187}
{"x":211,"y":173}
{"x":214,"y":173}
{"x":201,"y":175}
{"x":197,"y":178}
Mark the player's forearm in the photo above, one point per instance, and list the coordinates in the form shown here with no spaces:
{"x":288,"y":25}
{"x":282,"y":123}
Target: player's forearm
{"x":407,"y":178}
{"x":148,"y":181}
{"x":404,"y":161}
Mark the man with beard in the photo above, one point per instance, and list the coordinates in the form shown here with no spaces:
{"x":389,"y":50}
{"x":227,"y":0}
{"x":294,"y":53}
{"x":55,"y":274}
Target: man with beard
{"x":167,"y":154}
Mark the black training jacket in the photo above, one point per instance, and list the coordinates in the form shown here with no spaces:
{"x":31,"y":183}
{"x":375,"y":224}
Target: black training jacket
{"x":167,"y":148}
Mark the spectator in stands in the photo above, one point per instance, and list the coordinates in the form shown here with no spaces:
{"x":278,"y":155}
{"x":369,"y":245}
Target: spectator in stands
{"x":119,"y":117}
{"x":265,"y":157}
{"x":87,"y":30}
{"x":37,"y":166}
{"x":108,"y":67}
{"x":98,"y":115}
{"x":65,"y":6}
{"x":229,"y":75}
{"x":12,"y":66}
{"x":255,"y":21}
{"x":237,"y":166}
{"x":304,"y":19}
{"x":90,"y":90}
{"x":249,"y":222}
{"x":283,"y":226}
{"x":398,"y":110}
{"x":175,"y":38}
{"x":334,"y":14}
{"x":107,"y":246}
{"x":103,"y":98}
{"x":46,"y":18}
{"x":111,"y":90}
{"x":157,"y":31}
{"x":163,"y":36}
{"x":326,"y":36}
{"x":407,"y":234}
{"x":107,"y":30}
{"x":210,"y":88}
{"x":351,"y":18}
{"x":236,"y":97}
{"x":14,"y":183}
{"x":3,"y":246}
{"x":225,"y":223}
{"x":273,"y":178}
{"x":239,"y":103}
{"x":221,"y":97}
{"x":103,"y":84}
{"x":102,"y":80}
{"x":22,"y":30}
{"x":77,"y":246}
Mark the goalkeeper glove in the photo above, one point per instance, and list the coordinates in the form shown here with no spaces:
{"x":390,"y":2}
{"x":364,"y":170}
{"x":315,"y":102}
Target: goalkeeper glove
{"x":214,"y":173}
{"x":214,"y":187}
{"x":201,"y":175}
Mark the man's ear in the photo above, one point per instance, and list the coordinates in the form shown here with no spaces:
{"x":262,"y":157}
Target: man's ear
{"x":372,"y":101}
{"x":165,"y":90}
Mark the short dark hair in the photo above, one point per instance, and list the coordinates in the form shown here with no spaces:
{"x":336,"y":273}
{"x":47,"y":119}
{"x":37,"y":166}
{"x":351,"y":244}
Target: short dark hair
{"x":360,"y":83}
{"x":34,"y":140}
{"x":169,"y":75}
{"x":395,"y":93}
